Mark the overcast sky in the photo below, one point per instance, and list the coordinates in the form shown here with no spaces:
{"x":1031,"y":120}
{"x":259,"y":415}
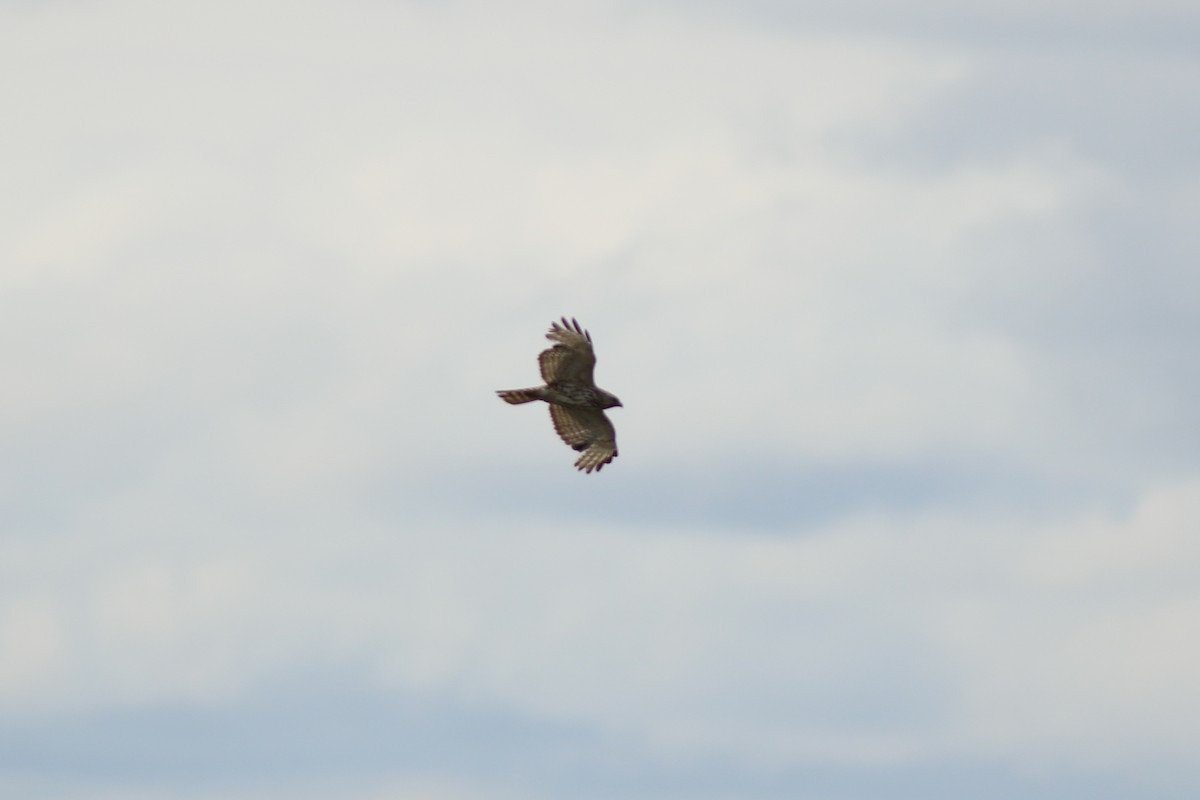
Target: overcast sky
{"x":903,"y":302}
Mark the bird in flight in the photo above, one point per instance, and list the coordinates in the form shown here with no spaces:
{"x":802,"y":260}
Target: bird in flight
{"x":576,"y":404}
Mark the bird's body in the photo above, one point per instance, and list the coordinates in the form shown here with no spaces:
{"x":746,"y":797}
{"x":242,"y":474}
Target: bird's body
{"x":576,"y":403}
{"x":559,"y":394}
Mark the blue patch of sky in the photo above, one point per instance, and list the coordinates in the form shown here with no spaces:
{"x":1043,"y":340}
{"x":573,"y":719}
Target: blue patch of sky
{"x":786,"y":496}
{"x":329,"y":732}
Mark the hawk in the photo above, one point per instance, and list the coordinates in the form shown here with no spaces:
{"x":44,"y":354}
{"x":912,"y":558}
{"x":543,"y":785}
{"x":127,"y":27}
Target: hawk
{"x":576,"y":404}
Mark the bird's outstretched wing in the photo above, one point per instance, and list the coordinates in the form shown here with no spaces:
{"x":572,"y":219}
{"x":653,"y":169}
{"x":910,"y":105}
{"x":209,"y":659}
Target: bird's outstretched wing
{"x":588,"y":431}
{"x":572,"y":358}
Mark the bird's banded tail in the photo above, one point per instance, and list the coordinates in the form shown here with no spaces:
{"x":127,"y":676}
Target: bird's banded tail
{"x":518,"y":396}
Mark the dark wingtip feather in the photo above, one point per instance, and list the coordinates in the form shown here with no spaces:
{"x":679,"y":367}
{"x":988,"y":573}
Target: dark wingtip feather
{"x":579,"y":329}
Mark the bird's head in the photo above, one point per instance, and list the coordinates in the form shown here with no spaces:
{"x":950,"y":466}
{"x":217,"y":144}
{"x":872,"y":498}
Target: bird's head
{"x":610,"y":400}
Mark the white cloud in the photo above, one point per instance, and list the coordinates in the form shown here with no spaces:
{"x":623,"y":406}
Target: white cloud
{"x":264,"y":265}
{"x":31,"y":643}
{"x":870,"y":641}
{"x":706,"y":188}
